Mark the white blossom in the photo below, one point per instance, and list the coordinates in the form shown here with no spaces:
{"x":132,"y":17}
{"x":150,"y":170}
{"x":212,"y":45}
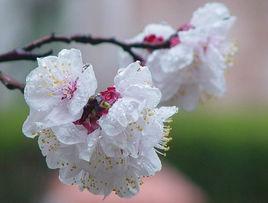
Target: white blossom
{"x":193,"y":68}
{"x":134,"y":124}
{"x":57,"y":90}
{"x":212,"y":52}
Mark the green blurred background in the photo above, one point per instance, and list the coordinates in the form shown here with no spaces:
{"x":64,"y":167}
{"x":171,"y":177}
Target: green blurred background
{"x":221,"y":147}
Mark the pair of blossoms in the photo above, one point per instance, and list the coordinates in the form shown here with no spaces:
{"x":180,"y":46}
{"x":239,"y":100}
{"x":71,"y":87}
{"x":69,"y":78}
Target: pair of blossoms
{"x":108,"y":141}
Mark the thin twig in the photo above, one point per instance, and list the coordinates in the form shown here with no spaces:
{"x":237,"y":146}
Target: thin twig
{"x":21,"y":54}
{"x":25,"y":53}
{"x":10,"y":82}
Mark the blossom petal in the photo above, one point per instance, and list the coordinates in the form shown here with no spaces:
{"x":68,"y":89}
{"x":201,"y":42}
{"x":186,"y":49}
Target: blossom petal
{"x":150,"y":162}
{"x":177,"y":58}
{"x":165,"y":112}
{"x":72,"y":57}
{"x":86,"y":87}
{"x":123,"y":112}
{"x":209,"y":14}
{"x":134,"y":74}
{"x":33,"y":124}
{"x":149,"y":95}
{"x":70,"y":133}
{"x":37,"y":92}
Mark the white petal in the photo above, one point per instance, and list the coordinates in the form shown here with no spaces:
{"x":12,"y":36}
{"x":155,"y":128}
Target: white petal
{"x":58,"y":155}
{"x":92,"y":141}
{"x":209,"y":14}
{"x":134,"y":74}
{"x":110,"y":146}
{"x":128,"y":185}
{"x":150,"y":162}
{"x":167,"y":82}
{"x":166,"y":112}
{"x":214,"y":59}
{"x":54,"y":161}
{"x":123,"y":112}
{"x":48,"y":142}
{"x":222,"y":28}
{"x":70,"y":133}
{"x":72,"y":57}
{"x":149,"y":95}
{"x":86,"y":87}
{"x":176,"y":58}
{"x":70,"y":180}
{"x":69,"y":172}
{"x":37,"y":92}
{"x":152,"y":134}
{"x":33,"y":124}
{"x":59,"y":116}
{"x":194,"y":37}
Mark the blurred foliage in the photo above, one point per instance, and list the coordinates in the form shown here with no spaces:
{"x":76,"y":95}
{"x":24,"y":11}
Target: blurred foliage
{"x":225,"y":153}
{"x":23,"y":171}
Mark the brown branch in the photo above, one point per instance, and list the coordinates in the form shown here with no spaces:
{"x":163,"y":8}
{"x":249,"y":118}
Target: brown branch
{"x":10,"y":82}
{"x":25,"y":53}
{"x":21,"y":54}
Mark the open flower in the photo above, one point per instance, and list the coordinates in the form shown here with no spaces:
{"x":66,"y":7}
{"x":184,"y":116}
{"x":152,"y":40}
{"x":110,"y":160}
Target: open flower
{"x":57,"y":90}
{"x":192,"y":68}
{"x":134,"y":124}
{"x":212,"y":55}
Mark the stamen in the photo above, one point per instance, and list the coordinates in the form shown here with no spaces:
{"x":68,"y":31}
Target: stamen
{"x":69,"y":91}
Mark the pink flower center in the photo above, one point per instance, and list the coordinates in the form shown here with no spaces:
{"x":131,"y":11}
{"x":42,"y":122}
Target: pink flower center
{"x":89,"y":117}
{"x":90,"y":124}
{"x":153,"y":39}
{"x":110,"y":95}
{"x":97,"y":107}
{"x":69,"y":91}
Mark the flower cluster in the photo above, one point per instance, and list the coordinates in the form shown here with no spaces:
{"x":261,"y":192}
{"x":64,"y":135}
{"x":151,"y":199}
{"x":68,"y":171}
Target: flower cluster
{"x":192,"y":68}
{"x":108,"y":141}
{"x":101,"y":142}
